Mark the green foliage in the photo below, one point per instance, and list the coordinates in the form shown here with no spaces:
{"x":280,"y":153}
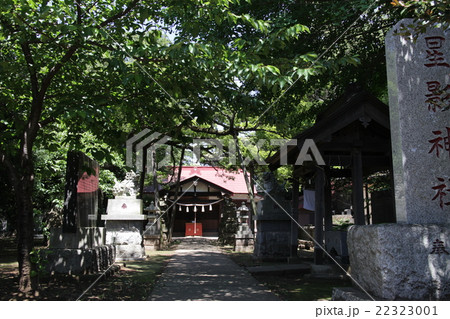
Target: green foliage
{"x":430,"y":13}
{"x":39,"y":260}
{"x":107,"y":181}
{"x":50,"y":171}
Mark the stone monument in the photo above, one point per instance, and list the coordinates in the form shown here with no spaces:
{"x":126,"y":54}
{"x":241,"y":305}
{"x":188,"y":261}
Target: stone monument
{"x":79,"y":245}
{"x":124,"y":220}
{"x":411,"y":259}
{"x":273,"y":235}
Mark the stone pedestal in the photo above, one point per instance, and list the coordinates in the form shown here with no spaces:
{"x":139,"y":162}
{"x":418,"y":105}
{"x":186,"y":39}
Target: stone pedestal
{"x":80,"y":261}
{"x":273,"y":239}
{"x":243,"y":240}
{"x":82,"y":238}
{"x":83,"y":251}
{"x":151,"y":243}
{"x":124,"y":225}
{"x":394,"y":261}
{"x":152,"y":234}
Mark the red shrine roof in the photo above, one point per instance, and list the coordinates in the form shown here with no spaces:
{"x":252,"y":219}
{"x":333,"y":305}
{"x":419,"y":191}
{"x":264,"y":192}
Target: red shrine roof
{"x":233,"y":181}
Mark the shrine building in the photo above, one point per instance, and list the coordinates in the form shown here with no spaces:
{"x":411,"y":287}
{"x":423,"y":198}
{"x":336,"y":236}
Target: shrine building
{"x":202,"y":192}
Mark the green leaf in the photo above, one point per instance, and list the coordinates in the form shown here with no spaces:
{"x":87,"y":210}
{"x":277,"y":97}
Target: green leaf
{"x":32,"y":4}
{"x":274,"y":70}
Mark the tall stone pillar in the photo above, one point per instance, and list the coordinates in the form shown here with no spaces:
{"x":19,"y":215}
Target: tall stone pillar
{"x":411,"y":259}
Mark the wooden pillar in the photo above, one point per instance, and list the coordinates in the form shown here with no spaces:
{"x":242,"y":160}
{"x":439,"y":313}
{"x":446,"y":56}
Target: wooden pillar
{"x":357,"y":187}
{"x":319,"y":214}
{"x":327,"y":201}
{"x":294,"y":213}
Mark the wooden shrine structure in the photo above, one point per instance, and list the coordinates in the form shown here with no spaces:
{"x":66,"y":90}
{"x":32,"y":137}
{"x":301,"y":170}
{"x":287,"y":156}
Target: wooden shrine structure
{"x":353,"y":137}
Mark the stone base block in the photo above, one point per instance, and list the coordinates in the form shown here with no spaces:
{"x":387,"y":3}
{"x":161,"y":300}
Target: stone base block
{"x":79,"y":261}
{"x":124,"y":232}
{"x":272,"y":245}
{"x":83,"y":238}
{"x":152,"y":230}
{"x":273,"y":240}
{"x":151,"y":243}
{"x":129,"y":252}
{"x":244,"y":245}
{"x":401,"y":261}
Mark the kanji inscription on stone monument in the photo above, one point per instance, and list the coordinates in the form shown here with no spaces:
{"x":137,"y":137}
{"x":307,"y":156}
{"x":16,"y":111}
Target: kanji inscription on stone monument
{"x":442,"y":190}
{"x":435,"y":56}
{"x":439,"y":248}
{"x":441,"y":142}
{"x":438,"y":96}
{"x":419,"y":95}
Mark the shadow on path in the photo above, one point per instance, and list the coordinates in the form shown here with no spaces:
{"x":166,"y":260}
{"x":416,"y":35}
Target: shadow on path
{"x":198,"y":270}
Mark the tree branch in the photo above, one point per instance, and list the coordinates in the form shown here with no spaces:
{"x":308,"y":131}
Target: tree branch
{"x":100,"y":45}
{"x":209,"y":131}
{"x":79,"y":12}
{"x":229,"y":131}
{"x":130,"y":7}
{"x":38,"y":101}
{"x":31,"y":69}
{"x":55,"y":69}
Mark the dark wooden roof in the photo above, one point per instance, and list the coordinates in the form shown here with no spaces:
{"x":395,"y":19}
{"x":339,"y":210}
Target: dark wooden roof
{"x":356,"y":120}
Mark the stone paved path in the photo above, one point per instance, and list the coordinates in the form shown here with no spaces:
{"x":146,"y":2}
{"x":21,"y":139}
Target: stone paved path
{"x":200,"y":271}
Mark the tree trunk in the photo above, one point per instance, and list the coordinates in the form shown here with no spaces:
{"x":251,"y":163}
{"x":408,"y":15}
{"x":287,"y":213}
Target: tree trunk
{"x":247,"y":179}
{"x":22,"y":179}
{"x":173,"y":211}
{"x":25,"y":231}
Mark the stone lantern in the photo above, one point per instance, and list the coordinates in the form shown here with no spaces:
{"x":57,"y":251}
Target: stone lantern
{"x":244,"y":236}
{"x":152,"y":218}
{"x":242,"y":215}
{"x":152,"y":230}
